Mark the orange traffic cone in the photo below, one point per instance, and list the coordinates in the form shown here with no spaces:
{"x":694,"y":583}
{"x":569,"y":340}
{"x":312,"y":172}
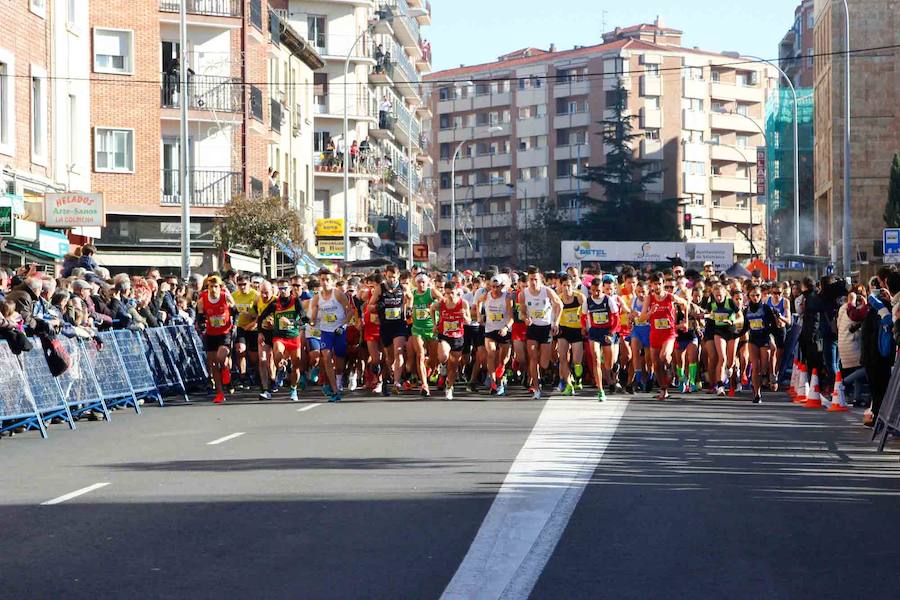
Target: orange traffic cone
{"x":838,"y":399}
{"x":792,"y":388}
{"x":802,"y":385}
{"x":814,"y":400}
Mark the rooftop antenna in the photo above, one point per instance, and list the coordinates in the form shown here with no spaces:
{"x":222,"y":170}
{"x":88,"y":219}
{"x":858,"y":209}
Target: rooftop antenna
{"x":603,"y":14}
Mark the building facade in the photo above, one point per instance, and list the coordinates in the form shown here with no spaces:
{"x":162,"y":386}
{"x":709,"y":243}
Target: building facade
{"x":795,"y":52}
{"x":374,"y":55}
{"x":875,"y":124}
{"x":237,"y":115}
{"x":528,"y":124}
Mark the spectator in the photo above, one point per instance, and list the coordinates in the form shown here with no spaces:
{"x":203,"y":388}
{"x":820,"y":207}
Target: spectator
{"x":354,"y":155}
{"x":81,"y":289}
{"x":118,"y":305}
{"x":384,"y":110}
{"x":70,"y":261}
{"x":877,"y":352}
{"x":27,"y":299}
{"x":850,"y":341}
{"x":87,"y":260}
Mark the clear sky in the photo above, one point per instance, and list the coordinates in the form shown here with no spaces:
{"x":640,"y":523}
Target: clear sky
{"x":476,"y":31}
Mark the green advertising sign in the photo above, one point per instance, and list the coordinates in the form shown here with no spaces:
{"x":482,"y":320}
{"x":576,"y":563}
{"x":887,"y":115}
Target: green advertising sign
{"x":6,"y":220}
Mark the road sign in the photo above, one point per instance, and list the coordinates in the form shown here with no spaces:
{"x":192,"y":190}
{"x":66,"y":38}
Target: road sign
{"x":892,"y":245}
{"x":6,"y":220}
{"x":420,"y":252}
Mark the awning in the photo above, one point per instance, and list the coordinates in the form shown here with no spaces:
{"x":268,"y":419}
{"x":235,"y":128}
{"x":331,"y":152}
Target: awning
{"x":242,"y":262}
{"x":135,"y":259}
{"x":30,"y":252}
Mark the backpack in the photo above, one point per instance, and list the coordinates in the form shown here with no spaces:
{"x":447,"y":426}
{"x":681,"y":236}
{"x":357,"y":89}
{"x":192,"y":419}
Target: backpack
{"x":58,"y":359}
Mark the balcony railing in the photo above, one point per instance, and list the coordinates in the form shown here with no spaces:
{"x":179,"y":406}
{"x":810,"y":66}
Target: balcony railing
{"x":215,"y":8}
{"x":208,"y":188}
{"x":256,"y":15}
{"x":276,"y":114}
{"x":205,"y":92}
{"x":256,"y":103}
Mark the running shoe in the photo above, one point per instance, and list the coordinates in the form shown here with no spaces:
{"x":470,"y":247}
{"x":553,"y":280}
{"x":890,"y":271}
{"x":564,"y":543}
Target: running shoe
{"x":569,"y":390}
{"x":441,"y":381}
{"x":731,"y":391}
{"x":219,"y":399}
{"x":433,"y":378}
{"x":562,"y":385}
{"x":537,"y":394}
{"x":501,"y":389}
{"x":327,"y":390}
{"x":448,"y":394}
{"x":280,"y":376}
{"x":335,"y":398}
{"x":406,"y":385}
{"x":663,"y":395}
{"x":314,"y":375}
{"x":694,"y":388}
{"x":601,"y":395}
{"x":685,"y":388}
{"x":426,"y":393}
{"x":265,"y":395}
{"x":629,"y":389}
{"x":473,"y":387}
{"x":294,"y":396}
{"x":493,"y":389}
{"x":386,"y":390}
{"x":720,"y":391}
{"x":302,"y":381}
{"x":377,"y":388}
{"x":352,"y":382}
{"x":226,"y":376}
{"x":757,"y":399}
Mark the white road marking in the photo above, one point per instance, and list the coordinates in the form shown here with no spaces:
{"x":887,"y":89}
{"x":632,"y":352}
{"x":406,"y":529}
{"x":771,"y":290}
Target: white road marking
{"x":225,"y":439}
{"x":537,"y":499}
{"x":306,"y":408}
{"x":74,"y":494}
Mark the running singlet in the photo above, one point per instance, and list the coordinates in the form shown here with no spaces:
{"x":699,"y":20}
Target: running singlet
{"x":494,"y":313}
{"x":599,"y":313}
{"x":537,"y":307}
{"x":636,"y":307}
{"x":758,"y":321}
{"x":571,"y":312}
{"x":390,"y":306}
{"x":331,"y":313}
{"x":625,"y":320}
{"x":288,"y":318}
{"x":723,"y":315}
{"x":452,"y":320}
{"x":780,"y":308}
{"x":662,"y":316}
{"x":421,"y":318}
{"x":245,"y":301}
{"x":218,"y":315}
{"x":268,"y":323}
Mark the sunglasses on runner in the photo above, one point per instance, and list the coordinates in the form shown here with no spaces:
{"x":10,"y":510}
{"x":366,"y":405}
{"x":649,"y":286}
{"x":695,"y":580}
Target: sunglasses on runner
{"x":283,"y":288}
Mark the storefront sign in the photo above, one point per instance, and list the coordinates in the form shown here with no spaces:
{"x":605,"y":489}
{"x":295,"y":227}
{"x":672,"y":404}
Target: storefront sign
{"x":6,"y":220}
{"x":420,"y":252}
{"x":329,"y":227}
{"x":74,"y":209}
{"x":53,"y":242}
{"x":331,"y":248}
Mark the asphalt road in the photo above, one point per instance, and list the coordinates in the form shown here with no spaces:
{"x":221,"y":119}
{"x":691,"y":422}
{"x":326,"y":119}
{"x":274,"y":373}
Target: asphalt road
{"x":403,"y":498}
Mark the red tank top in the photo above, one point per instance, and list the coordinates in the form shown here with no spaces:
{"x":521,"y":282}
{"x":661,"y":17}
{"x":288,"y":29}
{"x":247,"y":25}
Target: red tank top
{"x":452,"y":320}
{"x":218,"y":315}
{"x":662,"y":315}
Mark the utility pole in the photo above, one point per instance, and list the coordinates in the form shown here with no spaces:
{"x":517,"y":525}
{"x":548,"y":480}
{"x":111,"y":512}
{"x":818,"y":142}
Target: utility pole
{"x":184,"y":175}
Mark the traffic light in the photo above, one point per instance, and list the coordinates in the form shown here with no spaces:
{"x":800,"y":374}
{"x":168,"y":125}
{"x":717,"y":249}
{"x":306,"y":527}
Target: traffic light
{"x":688,"y":218}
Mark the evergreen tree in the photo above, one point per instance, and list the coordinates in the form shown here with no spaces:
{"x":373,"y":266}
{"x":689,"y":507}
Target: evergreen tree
{"x":892,"y":210}
{"x":624,"y":213}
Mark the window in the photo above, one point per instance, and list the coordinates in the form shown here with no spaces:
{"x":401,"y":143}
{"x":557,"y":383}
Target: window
{"x":445,"y":151}
{"x":320,"y":140}
{"x":715,"y":138}
{"x":38,"y":7}
{"x":718,"y":106}
{"x":694,"y":73}
{"x":692,"y":137}
{"x":445,"y":237}
{"x":482,"y":89}
{"x":741,"y":201}
{"x":613,"y":98}
{"x":114,"y":150}
{"x":651,"y":134}
{"x":694,"y":104}
{"x":315,"y":25}
{"x":113,"y":51}
{"x":444,"y":93}
{"x":445,"y":122}
{"x":743,"y":141}
{"x":7,"y":103}
{"x":742,"y":109}
{"x":651,"y":70}
{"x":445,"y":211}
{"x":809,"y":58}
{"x":652,"y":103}
{"x":72,"y":141}
{"x":38,"y":115}
{"x":717,"y":200}
{"x":320,"y":91}
{"x":694,"y":168}
{"x":445,"y":181}
{"x":716,"y":76}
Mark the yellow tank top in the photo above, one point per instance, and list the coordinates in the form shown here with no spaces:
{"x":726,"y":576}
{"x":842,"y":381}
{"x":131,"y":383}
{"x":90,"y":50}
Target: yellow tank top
{"x":571,"y":312}
{"x":269,"y":323}
{"x":245,"y":301}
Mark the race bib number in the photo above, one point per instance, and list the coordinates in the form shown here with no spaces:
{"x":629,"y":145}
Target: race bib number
{"x":757,"y":325}
{"x":373,"y":319}
{"x":451,"y":326}
{"x":315,"y":333}
{"x":423,"y":314}
{"x":536,"y":313}
{"x":600,"y":318}
{"x":242,"y":308}
{"x":329,"y":318}
{"x":268,"y":323}
{"x":285,"y":323}
{"x":495,"y":317}
{"x":662,"y":324}
{"x":217,"y":321}
{"x":570,"y":319}
{"x":720,"y":318}
{"x":392,"y":313}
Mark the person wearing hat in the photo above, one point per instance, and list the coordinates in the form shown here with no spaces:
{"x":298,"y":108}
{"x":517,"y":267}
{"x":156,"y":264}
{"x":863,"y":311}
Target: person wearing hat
{"x":495,"y":310}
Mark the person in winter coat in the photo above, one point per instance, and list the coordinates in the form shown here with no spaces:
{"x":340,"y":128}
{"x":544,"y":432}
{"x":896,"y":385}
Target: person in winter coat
{"x":877,"y":355}
{"x":850,"y":342}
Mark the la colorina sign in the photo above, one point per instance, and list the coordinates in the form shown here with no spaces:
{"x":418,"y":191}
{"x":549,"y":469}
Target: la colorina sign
{"x":74,"y":209}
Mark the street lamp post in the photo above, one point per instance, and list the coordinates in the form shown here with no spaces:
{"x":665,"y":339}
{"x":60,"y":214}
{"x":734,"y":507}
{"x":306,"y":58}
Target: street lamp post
{"x":453,"y":206}
{"x":796,"y":154}
{"x":847,"y":222}
{"x":184,"y":175}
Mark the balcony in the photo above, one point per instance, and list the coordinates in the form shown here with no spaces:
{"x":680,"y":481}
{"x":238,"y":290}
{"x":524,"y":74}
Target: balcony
{"x":405,"y":27}
{"x":694,"y":88}
{"x":205,"y":92}
{"x":651,"y":85}
{"x":574,"y":150}
{"x":733,"y":122}
{"x":532,"y":126}
{"x":651,"y":118}
{"x":740,"y":215}
{"x":256,"y":103}
{"x":208,"y":188}
{"x":651,"y":149}
{"x":575,"y":86}
{"x":730,"y":91}
{"x":491,"y":160}
{"x":732,"y":153}
{"x":693,"y":120}
{"x":612,"y":81}
{"x":696,"y":152}
{"x":212,"y":8}
{"x":695,"y":184}
{"x":576,"y":119}
{"x":724,"y":183}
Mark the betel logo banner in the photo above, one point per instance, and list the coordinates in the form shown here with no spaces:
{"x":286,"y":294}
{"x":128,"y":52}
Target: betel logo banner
{"x":74,"y":209}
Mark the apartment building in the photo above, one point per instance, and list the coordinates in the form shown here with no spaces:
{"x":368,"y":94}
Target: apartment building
{"x":875,"y":124}
{"x":795,"y":52}
{"x":528,"y":124}
{"x":236,"y":116}
{"x":44,"y":109}
{"x":381,"y":91}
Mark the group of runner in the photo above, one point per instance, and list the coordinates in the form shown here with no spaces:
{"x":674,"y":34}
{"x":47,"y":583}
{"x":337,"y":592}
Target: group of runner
{"x":396,"y":332}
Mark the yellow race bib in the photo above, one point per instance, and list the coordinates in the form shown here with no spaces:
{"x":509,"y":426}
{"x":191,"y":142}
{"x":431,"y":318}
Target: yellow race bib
{"x":600,"y":318}
{"x":423,"y":314}
{"x":392,"y":313}
{"x":450,"y":326}
{"x":217,"y":321}
{"x":662,"y":324}
{"x":757,"y":324}
{"x":495,"y":317}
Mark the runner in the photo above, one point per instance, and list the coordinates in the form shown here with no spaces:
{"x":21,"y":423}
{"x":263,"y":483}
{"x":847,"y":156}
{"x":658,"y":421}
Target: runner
{"x":214,"y":310}
{"x":688,"y":342}
{"x":496,"y":309}
{"x":660,"y":311}
{"x":451,"y":315}
{"x":474,"y":353}
{"x":519,"y":331}
{"x":372,"y":335}
{"x":542,"y":312}
{"x":602,"y":327}
{"x":783,"y":321}
{"x":423,"y":341}
{"x":246,"y":347}
{"x":389,"y":301}
{"x":570,"y":339}
{"x":288,"y":331}
{"x":330,"y":310}
{"x":642,"y":366}
{"x":759,"y":323}
{"x":726,"y":316}
{"x":264,"y":340}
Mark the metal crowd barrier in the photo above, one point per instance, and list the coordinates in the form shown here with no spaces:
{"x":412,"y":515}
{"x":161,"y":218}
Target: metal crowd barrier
{"x":119,"y":368}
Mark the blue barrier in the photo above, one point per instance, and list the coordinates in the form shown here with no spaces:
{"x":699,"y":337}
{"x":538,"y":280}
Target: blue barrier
{"x":44,"y":387}
{"x":17,"y":406}
{"x":111,"y":373}
{"x":130,"y":349}
{"x":79,"y":384}
{"x":190,"y":360}
{"x":162,"y":361}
